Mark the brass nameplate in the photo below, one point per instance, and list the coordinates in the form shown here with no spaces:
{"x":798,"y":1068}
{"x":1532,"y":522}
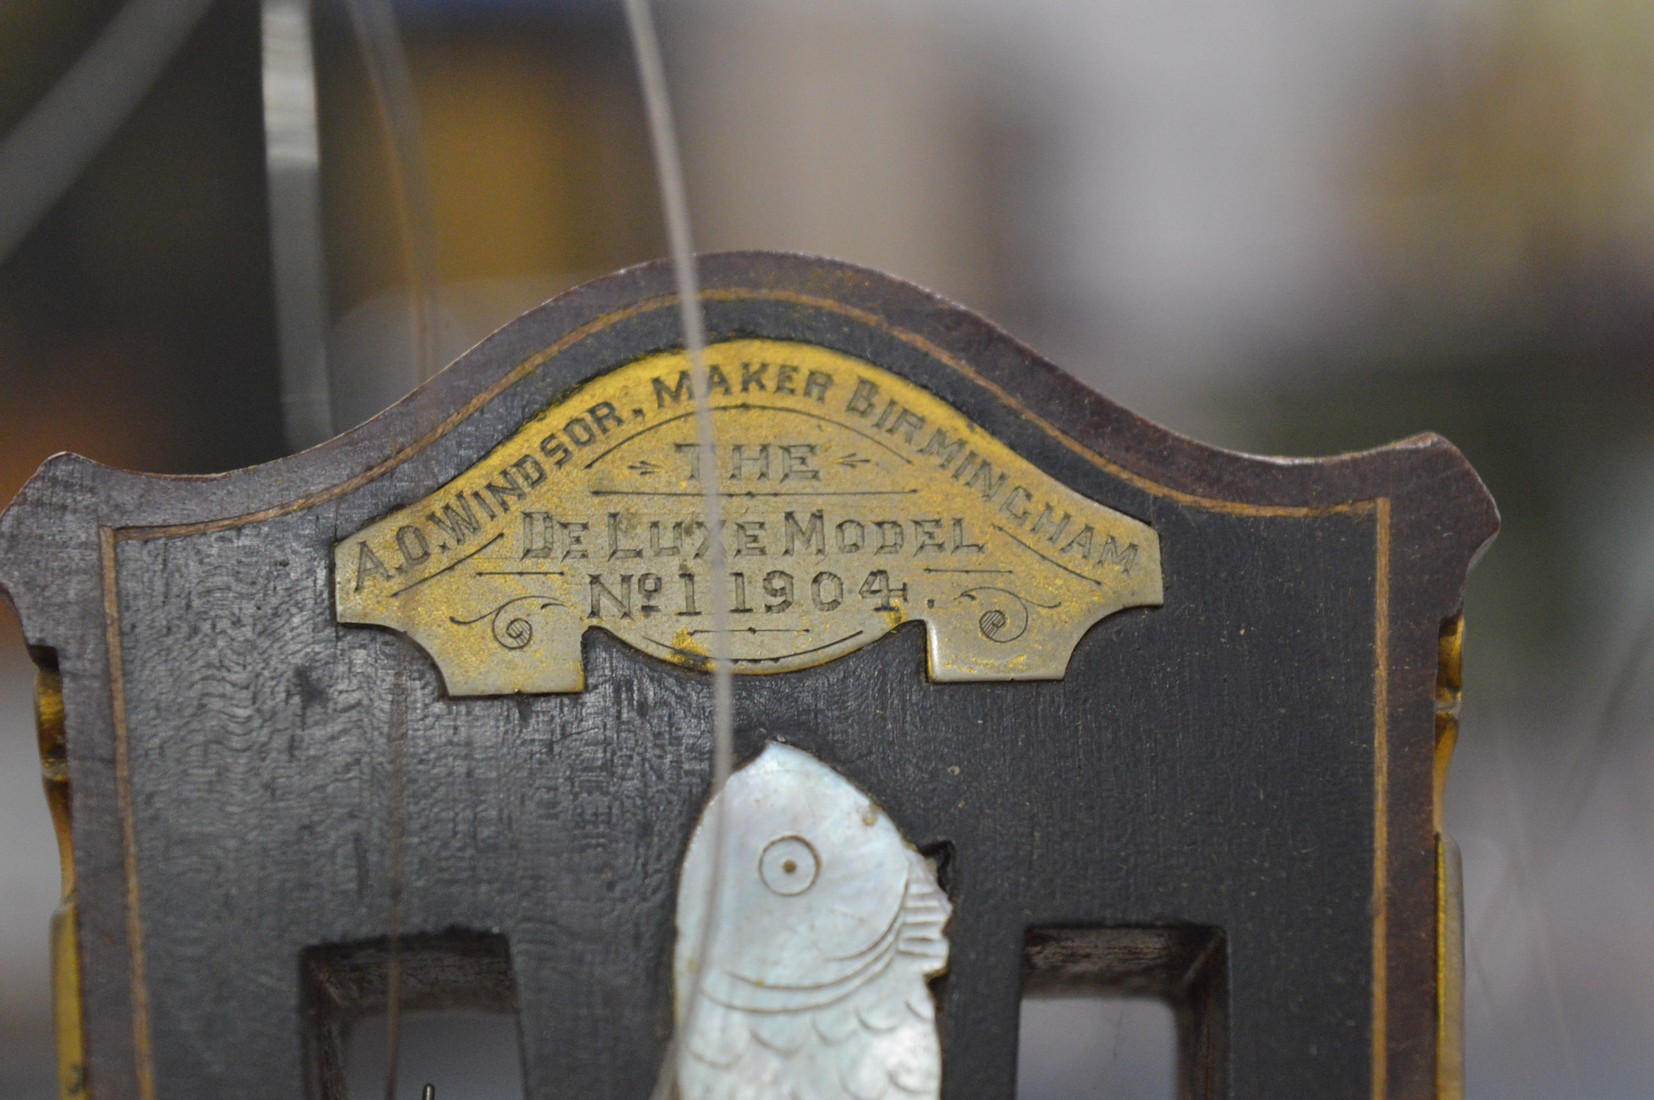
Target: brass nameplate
{"x":853,"y":502}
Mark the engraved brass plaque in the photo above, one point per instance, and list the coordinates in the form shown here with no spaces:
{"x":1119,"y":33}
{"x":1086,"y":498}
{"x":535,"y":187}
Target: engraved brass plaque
{"x":853,"y":501}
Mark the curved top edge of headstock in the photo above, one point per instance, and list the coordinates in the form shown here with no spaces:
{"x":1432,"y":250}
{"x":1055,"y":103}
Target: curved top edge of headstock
{"x":1422,"y":474}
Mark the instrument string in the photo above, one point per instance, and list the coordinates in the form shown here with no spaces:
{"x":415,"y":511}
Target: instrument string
{"x":675,"y":203}
{"x":1588,"y":753}
{"x":1517,"y":893}
{"x":1526,"y":888}
{"x":391,"y":83}
{"x":49,"y":149}
{"x":395,"y":831}
{"x":292,"y":155}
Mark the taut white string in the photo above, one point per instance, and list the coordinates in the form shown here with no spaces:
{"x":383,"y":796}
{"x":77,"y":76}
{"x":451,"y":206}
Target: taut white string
{"x":674,"y":199}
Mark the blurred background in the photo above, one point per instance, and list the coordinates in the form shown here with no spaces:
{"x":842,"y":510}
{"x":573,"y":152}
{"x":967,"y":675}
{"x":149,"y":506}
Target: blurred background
{"x":1280,"y":226}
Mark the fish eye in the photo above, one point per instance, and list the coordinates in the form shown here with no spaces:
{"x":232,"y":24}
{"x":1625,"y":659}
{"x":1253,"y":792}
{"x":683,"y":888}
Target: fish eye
{"x":789,"y":865}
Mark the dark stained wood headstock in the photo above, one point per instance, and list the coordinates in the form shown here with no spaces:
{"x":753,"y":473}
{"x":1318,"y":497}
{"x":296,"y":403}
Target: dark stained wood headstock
{"x":1228,"y":797}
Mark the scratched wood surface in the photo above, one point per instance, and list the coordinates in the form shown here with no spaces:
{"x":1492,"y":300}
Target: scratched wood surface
{"x":1253,"y":759}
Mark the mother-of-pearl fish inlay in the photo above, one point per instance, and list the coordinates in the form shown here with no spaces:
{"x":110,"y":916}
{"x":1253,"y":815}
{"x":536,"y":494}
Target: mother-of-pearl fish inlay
{"x":828,"y":925}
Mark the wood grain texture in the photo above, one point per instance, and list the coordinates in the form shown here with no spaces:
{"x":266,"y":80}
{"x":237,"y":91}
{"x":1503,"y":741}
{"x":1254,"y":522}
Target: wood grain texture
{"x":1213,"y":762}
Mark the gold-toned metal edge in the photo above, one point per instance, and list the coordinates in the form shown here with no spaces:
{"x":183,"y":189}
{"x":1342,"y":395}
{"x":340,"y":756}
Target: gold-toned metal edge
{"x":68,"y":1010}
{"x":109,"y":536}
{"x":1449,"y":688}
{"x":1449,"y":870}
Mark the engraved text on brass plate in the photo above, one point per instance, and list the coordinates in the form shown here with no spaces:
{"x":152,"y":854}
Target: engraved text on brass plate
{"x":853,"y":501}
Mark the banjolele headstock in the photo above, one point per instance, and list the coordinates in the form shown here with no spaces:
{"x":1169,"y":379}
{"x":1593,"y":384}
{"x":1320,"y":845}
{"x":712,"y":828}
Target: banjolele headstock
{"x":1059,"y":698}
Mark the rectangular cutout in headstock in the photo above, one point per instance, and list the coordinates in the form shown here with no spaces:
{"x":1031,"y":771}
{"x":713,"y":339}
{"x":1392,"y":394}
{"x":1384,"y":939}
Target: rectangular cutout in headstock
{"x":1077,"y":1047}
{"x":1187,"y":967}
{"x":462,"y":1055}
{"x":344,"y":989}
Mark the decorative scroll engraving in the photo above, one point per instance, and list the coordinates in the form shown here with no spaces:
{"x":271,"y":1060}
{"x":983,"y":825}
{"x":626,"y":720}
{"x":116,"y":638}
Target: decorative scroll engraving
{"x":514,"y":630}
{"x":854,"y":501}
{"x":1006,"y":618}
{"x":829,"y":925}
